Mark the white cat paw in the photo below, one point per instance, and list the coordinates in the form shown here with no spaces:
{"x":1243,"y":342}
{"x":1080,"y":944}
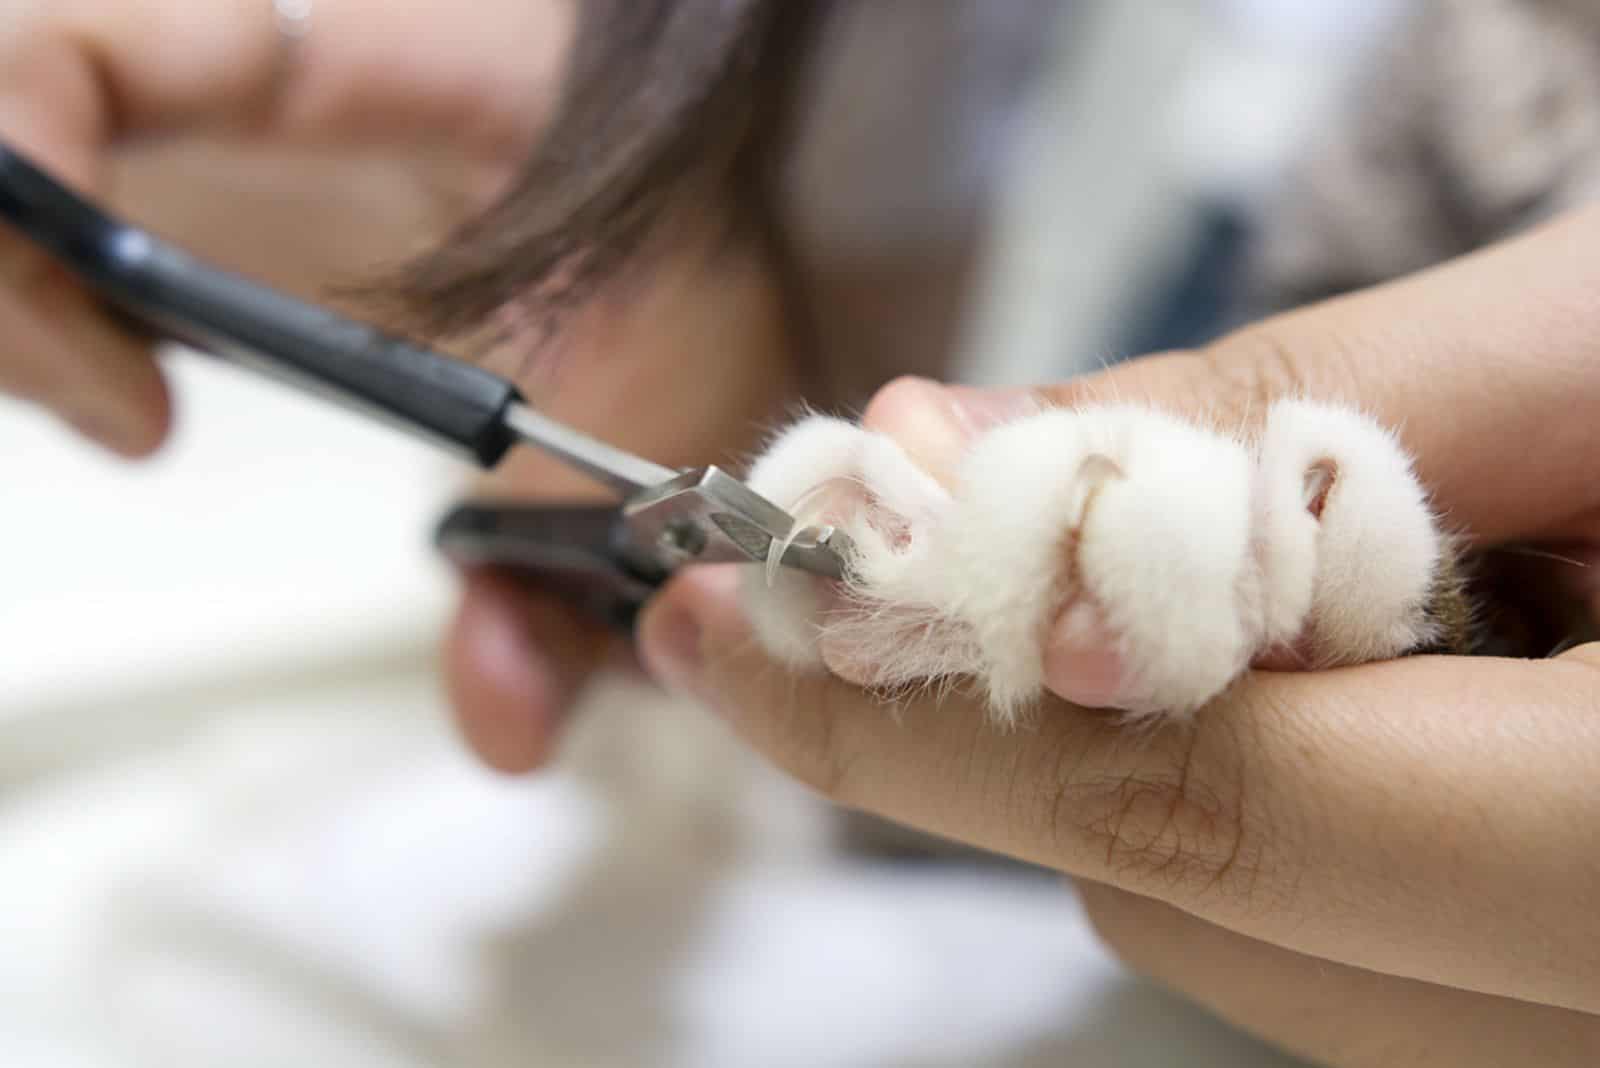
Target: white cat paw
{"x":1119,"y":556}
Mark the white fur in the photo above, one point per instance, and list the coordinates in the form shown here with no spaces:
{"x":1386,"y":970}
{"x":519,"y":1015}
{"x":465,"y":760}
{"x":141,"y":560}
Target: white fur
{"x":1195,"y":552}
{"x":809,"y":453}
{"x":1377,"y":546}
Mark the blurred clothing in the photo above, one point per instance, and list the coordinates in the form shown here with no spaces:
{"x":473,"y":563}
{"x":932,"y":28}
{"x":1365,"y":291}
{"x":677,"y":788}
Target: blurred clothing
{"x":1480,"y":118}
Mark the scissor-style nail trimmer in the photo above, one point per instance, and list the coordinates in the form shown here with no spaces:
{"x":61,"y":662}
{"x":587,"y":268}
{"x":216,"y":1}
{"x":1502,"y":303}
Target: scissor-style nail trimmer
{"x":607,"y":559}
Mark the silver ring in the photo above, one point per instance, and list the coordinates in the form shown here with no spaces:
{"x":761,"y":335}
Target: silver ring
{"x":293,"y":18}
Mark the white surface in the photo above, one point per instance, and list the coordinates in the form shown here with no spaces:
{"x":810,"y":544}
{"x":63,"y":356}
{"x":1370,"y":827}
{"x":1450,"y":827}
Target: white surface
{"x":273,"y":530}
{"x":329,"y":884}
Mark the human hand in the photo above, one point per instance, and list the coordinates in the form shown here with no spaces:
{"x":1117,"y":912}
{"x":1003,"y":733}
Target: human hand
{"x":1383,"y":865}
{"x":79,"y":80}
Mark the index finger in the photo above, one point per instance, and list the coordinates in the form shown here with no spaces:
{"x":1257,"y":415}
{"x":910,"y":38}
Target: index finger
{"x":59,"y":349}
{"x":1488,"y":367}
{"x":1325,"y":812}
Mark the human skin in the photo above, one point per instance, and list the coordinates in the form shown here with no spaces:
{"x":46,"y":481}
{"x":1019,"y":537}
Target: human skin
{"x":1390,"y":864}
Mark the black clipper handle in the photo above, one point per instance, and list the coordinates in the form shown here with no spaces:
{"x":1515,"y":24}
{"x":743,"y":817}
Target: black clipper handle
{"x":177,"y":296}
{"x":580,"y":552}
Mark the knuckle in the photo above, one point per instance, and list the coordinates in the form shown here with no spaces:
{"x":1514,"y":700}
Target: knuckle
{"x":1178,"y":826}
{"x":1252,"y":368}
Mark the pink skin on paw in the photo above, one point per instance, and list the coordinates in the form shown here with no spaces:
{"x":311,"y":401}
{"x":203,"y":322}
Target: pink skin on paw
{"x":1318,"y":484}
{"x":1287,"y":657}
{"x":1081,"y":661}
{"x":841,"y":657}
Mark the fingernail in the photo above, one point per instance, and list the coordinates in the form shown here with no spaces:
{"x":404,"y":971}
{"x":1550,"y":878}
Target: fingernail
{"x":512,"y":672}
{"x":935,"y":424}
{"x":979,"y":410}
{"x":673,"y":651}
{"x":916,"y":413}
{"x":512,"y":661}
{"x":1081,"y":661}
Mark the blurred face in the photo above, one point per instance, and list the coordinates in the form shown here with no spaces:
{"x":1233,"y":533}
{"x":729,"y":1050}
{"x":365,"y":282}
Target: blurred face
{"x":685,"y":363}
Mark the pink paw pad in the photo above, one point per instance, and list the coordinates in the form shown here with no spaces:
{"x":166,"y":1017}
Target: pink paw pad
{"x":1082,"y":662}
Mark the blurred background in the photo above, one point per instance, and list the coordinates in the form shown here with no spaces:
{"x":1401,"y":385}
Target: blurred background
{"x":235,"y":826}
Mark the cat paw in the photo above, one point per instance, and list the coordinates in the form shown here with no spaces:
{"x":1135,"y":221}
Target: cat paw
{"x":1119,"y":556}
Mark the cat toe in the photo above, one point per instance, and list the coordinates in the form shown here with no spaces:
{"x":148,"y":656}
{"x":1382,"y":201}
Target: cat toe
{"x":1374,"y":546}
{"x":1102,"y":554}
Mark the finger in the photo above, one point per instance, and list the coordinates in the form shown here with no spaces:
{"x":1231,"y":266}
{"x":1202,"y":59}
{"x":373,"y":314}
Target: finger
{"x":1330,"y":1013}
{"x":1492,"y":348}
{"x":1463,"y":360}
{"x":1323,"y":812}
{"x":355,"y":76}
{"x":514,"y":662}
{"x":57,"y":349}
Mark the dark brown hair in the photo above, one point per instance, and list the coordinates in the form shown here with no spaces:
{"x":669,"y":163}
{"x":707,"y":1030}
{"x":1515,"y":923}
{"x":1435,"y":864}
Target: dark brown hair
{"x":666,"y":111}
